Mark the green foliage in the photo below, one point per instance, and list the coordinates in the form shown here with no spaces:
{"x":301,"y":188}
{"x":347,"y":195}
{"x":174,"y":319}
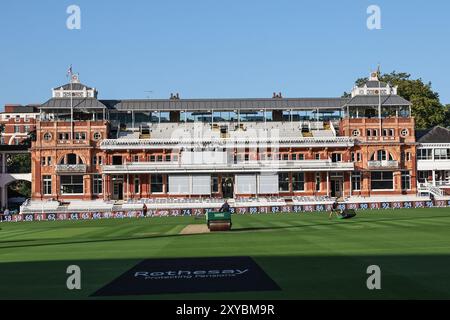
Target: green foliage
{"x":19,"y":163}
{"x":19,"y":189}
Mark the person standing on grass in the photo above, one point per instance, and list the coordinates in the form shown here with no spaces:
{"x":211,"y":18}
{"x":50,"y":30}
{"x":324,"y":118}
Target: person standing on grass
{"x":225,"y":207}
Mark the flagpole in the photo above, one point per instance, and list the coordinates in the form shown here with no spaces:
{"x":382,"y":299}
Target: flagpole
{"x":71,"y":104}
{"x":379,"y":102}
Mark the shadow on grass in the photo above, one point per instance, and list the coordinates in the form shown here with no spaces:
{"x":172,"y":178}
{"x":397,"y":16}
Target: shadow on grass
{"x":334,"y":221}
{"x":300,"y":277}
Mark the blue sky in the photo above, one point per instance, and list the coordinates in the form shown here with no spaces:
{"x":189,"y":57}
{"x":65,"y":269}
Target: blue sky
{"x":218,"y":48}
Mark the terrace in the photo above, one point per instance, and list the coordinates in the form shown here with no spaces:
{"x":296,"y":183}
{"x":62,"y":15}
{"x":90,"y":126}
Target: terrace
{"x":244,"y":166}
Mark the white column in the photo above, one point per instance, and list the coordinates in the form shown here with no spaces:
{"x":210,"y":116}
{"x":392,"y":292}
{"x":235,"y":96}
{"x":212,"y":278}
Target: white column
{"x":434,"y":177}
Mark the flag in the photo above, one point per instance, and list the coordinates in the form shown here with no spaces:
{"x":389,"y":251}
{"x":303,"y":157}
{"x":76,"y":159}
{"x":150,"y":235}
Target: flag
{"x":69,"y":71}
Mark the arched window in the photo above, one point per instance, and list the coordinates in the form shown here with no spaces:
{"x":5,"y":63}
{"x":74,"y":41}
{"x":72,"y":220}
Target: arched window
{"x":381,"y":155}
{"x":71,"y":158}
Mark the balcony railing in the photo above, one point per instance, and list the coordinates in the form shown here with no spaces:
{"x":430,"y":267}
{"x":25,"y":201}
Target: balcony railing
{"x":109,"y":144}
{"x":71,"y":168}
{"x":384,"y":164}
{"x":248,"y":166}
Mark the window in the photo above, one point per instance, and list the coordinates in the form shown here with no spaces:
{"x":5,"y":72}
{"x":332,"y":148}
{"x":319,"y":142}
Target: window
{"x":317,"y":181}
{"x":97,"y":136}
{"x":283,"y":182}
{"x":156,"y":182}
{"x":356,"y":181}
{"x":382,"y":180}
{"x":152,"y":158}
{"x":381,"y":155}
{"x":406,"y":180}
{"x":97,"y":184}
{"x":441,"y":154}
{"x":137,"y":186}
{"x":16,"y":129}
{"x":159,"y":158}
{"x":63,"y":136}
{"x":47,"y":185}
{"x":294,"y":156}
{"x":94,"y":160}
{"x":72,"y":185}
{"x":49,"y":161}
{"x":404,"y":132}
{"x":100,"y":160}
{"x":214,"y":184}
{"x":43,"y":161}
{"x":317,"y":156}
{"x":71,"y":159}
{"x":167,"y":158}
{"x":136,"y":158}
{"x":285,"y":156}
{"x":27,"y":129}
{"x":246,"y":157}
{"x":298,"y":181}
{"x":356,"y":157}
{"x":117,"y":160}
{"x":336,"y":157}
{"x":369,"y":132}
{"x":80,"y":135}
{"x":424,"y":176}
{"x":406,"y":156}
{"x":424,"y":154}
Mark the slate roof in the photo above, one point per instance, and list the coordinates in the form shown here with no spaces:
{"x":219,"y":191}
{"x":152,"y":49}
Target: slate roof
{"x":78,"y":103}
{"x":436,"y":134}
{"x":373,"y":100}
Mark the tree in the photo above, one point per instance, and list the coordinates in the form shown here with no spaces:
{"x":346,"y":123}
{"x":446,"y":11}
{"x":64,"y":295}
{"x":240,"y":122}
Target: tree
{"x":18,"y":163}
{"x":447,"y":116}
{"x":31,"y":136}
{"x":426,"y":107}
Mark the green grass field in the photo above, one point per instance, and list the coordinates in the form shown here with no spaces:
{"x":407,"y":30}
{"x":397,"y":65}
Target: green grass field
{"x":308,"y":255}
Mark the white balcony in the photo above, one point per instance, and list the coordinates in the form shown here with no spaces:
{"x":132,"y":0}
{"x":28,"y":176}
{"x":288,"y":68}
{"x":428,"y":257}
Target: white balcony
{"x":384,"y":164}
{"x":249,"y":166}
{"x":423,"y":165}
{"x":71,"y":168}
{"x":261,"y":142}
